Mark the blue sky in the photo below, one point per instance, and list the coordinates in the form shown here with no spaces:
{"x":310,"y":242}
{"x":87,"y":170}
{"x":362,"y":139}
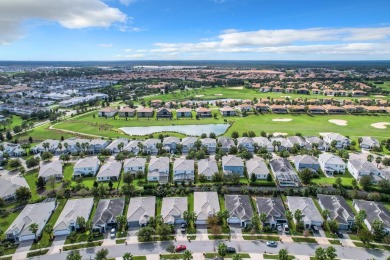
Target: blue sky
{"x":201,"y":29}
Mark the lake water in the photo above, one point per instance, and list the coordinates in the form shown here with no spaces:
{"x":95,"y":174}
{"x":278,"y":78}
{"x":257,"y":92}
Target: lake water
{"x":195,"y":130}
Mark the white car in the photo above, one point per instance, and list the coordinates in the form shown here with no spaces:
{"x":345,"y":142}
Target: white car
{"x":279,"y":228}
{"x":272,"y":244}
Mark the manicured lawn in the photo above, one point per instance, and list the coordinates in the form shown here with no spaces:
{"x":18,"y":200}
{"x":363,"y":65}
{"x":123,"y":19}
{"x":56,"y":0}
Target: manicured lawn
{"x":120,"y":241}
{"x":334,"y":241}
{"x":43,"y":133}
{"x":305,"y":124}
{"x":361,"y":244}
{"x":68,"y":171}
{"x":5,"y":222}
{"x":45,"y":238}
{"x":79,"y":246}
{"x":304,"y":240}
{"x":212,"y":255}
{"x":171,"y":256}
{"x":346,"y":179}
{"x":269,"y":256}
{"x":261,"y":237}
{"x":31,"y":177}
{"x":219,"y":237}
{"x":384,"y":86}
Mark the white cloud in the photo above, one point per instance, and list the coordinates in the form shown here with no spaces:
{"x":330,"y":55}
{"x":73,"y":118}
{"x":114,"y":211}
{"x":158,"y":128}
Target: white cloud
{"x":135,"y":56}
{"x":339,"y":41}
{"x":71,"y":14}
{"x":105,"y":45}
{"x":127,"y":2}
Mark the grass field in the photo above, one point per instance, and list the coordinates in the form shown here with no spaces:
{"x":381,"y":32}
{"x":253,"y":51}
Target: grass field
{"x":226,"y":92}
{"x":384,"y":86}
{"x":305,"y":124}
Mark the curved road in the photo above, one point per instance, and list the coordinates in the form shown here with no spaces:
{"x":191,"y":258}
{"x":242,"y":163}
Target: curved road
{"x":241,"y":246}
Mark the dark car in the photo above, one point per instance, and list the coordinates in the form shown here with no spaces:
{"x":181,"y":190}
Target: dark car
{"x":231,"y":250}
{"x":339,"y":234}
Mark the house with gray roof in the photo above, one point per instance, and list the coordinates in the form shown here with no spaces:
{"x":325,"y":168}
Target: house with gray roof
{"x":247,"y":143}
{"x":113,"y":146}
{"x":257,"y":167}
{"x":316,"y":141}
{"x":51,"y":169}
{"x":74,"y":145}
{"x":9,"y":183}
{"x":298,"y":140}
{"x":66,"y":222}
{"x":188,"y":143}
{"x":96,"y":145}
{"x":239,"y":208}
{"x":38,"y":213}
{"x":106,"y":212}
{"x":109,"y":171}
{"x":158,"y":169}
{"x":359,"y":168}
{"x":330,"y":163}
{"x":172,"y":209}
{"x":13,"y":149}
{"x":133,"y":147}
{"x":374,"y":211}
{"x":141,"y":209}
{"x":368,"y":142}
{"x":134,"y":165}
{"x":341,"y":141}
{"x":87,"y":166}
{"x":225,"y":143}
{"x":261,"y":141}
{"x":183,"y":170}
{"x":284,"y":173}
{"x":150,"y":145}
{"x":53,"y":145}
{"x":233,"y":164}
{"x":306,"y":162}
{"x":273,"y":208}
{"x":206,"y":204}
{"x":210,"y":144}
{"x":310,"y":214}
{"x":170,"y":143}
{"x":338,"y":209}
{"x":208,"y":168}
{"x":284,"y":143}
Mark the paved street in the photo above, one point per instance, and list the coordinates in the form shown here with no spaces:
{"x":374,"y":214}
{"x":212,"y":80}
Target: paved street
{"x":241,"y":246}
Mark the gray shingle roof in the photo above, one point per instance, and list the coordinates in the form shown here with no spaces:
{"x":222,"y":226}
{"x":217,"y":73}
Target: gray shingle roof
{"x":338,"y":208}
{"x":206,"y":204}
{"x":272,"y":207}
{"x":207,"y":167}
{"x":141,"y":209}
{"x":110,"y":169}
{"x":173,"y":208}
{"x":239,"y":206}
{"x":182,"y":164}
{"x":50,"y":169}
{"x":87,"y":162}
{"x":307,"y":206}
{"x":256,"y":166}
{"x":232,"y":160}
{"x":374,"y":210}
{"x":74,"y":208}
{"x":283,"y":170}
{"x":107,"y":210}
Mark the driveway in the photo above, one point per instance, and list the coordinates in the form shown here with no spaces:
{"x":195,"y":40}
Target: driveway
{"x":201,"y":232}
{"x":24,"y":246}
{"x":236,"y":231}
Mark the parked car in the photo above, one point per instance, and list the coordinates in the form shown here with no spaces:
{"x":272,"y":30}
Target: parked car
{"x":279,"y":227}
{"x":180,"y":248}
{"x":272,"y":244}
{"x":112,"y":233}
{"x":183,"y":228}
{"x":339,"y":234}
{"x":286,"y":229}
{"x":231,"y":250}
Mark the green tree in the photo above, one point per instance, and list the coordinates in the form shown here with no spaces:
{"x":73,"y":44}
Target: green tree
{"x":40,"y":183}
{"x":306,"y":176}
{"x":187,"y":255}
{"x":331,"y":253}
{"x":236,"y":257}
{"x":378,"y":230}
{"x":365,"y":182}
{"x":283,"y":254}
{"x":51,"y":183}
{"x":46,"y":156}
{"x":359,"y":219}
{"x":338,"y":182}
{"x":222,"y":249}
{"x":145,"y":234}
{"x":81,"y":223}
{"x":164,"y":231}
{"x":256,"y":222}
{"x":49,"y":229}
{"x":325,"y":214}
{"x":73,"y":255}
{"x":23,"y":194}
{"x":189,"y":216}
{"x":33,"y":228}
{"x":355,"y":184}
{"x":101,"y":254}
{"x":171,"y":248}
{"x":121,"y":221}
{"x":333,"y":226}
{"x":14,"y":163}
{"x":127,"y":256}
{"x":235,"y":135}
{"x":253,"y":178}
{"x":365,"y":236}
{"x":320,"y":254}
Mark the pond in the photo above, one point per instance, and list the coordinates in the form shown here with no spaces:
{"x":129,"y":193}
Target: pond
{"x":194,"y":130}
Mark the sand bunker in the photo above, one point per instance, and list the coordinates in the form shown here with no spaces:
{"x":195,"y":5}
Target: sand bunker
{"x":338,"y":122}
{"x":279,"y":134}
{"x":218,"y":94}
{"x":199,"y":96}
{"x":286,"y":96}
{"x":325,"y":133}
{"x":380,"y":125}
{"x":379,"y":96}
{"x":282,"y":119}
{"x":239,"y":88}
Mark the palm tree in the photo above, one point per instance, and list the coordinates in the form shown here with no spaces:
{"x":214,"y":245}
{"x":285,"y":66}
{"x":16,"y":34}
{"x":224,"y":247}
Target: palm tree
{"x":49,"y":230}
{"x":378,"y":160}
{"x":59,"y":146}
{"x":325,"y":214}
{"x":187,"y":255}
{"x":34,"y":229}
{"x":46,"y":145}
{"x":127,"y":256}
{"x":66,"y":145}
{"x":298,"y":215}
{"x":120,"y":146}
{"x":370,"y":157}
